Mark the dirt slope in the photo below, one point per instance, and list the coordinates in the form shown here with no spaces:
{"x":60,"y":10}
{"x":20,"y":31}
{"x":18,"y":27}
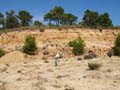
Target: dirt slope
{"x":14,"y":56}
{"x":53,"y":39}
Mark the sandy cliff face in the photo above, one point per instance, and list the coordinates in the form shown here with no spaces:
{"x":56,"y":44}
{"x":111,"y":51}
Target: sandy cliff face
{"x":52,"y":40}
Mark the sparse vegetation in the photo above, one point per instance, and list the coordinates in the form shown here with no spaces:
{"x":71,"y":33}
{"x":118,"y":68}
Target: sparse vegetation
{"x":78,"y":46}
{"x":94,"y":66}
{"x":30,"y":46}
{"x":2,"y":52}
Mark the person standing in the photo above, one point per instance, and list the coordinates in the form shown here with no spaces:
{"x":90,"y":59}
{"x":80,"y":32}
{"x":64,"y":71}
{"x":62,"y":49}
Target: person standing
{"x":57,"y":56}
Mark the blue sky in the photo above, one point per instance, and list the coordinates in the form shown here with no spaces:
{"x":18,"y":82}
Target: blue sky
{"x":39,"y":7}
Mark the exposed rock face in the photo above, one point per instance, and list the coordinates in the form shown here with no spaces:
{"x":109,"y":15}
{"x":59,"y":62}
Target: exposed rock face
{"x":53,"y":40}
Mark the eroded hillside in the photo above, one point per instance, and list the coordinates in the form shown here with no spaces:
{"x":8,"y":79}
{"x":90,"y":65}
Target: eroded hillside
{"x":52,"y":40}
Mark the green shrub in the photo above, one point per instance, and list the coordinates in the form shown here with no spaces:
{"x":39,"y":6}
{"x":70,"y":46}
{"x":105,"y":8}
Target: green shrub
{"x":42,"y":29}
{"x":78,"y":46}
{"x":30,"y":46}
{"x":94,"y":66}
{"x":116,"y":48}
{"x":60,"y":28}
{"x":2,"y":52}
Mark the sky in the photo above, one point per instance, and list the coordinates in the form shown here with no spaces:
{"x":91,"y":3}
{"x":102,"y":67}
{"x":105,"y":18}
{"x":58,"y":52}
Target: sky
{"x":38,"y":8}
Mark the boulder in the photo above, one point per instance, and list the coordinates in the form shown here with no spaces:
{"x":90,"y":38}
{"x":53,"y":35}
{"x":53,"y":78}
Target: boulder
{"x":90,"y":56}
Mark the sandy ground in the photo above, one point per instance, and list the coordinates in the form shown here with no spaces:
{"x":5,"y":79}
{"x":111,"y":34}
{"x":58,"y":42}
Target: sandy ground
{"x":70,"y":74}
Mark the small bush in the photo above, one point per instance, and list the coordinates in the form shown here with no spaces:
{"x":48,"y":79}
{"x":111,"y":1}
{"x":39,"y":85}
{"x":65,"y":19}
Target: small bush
{"x":60,"y":28}
{"x":2,"y":52}
{"x":30,"y":46}
{"x":94,"y":66}
{"x":116,"y":48}
{"x":41,"y":29}
{"x":78,"y":46}
{"x":79,"y":58}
